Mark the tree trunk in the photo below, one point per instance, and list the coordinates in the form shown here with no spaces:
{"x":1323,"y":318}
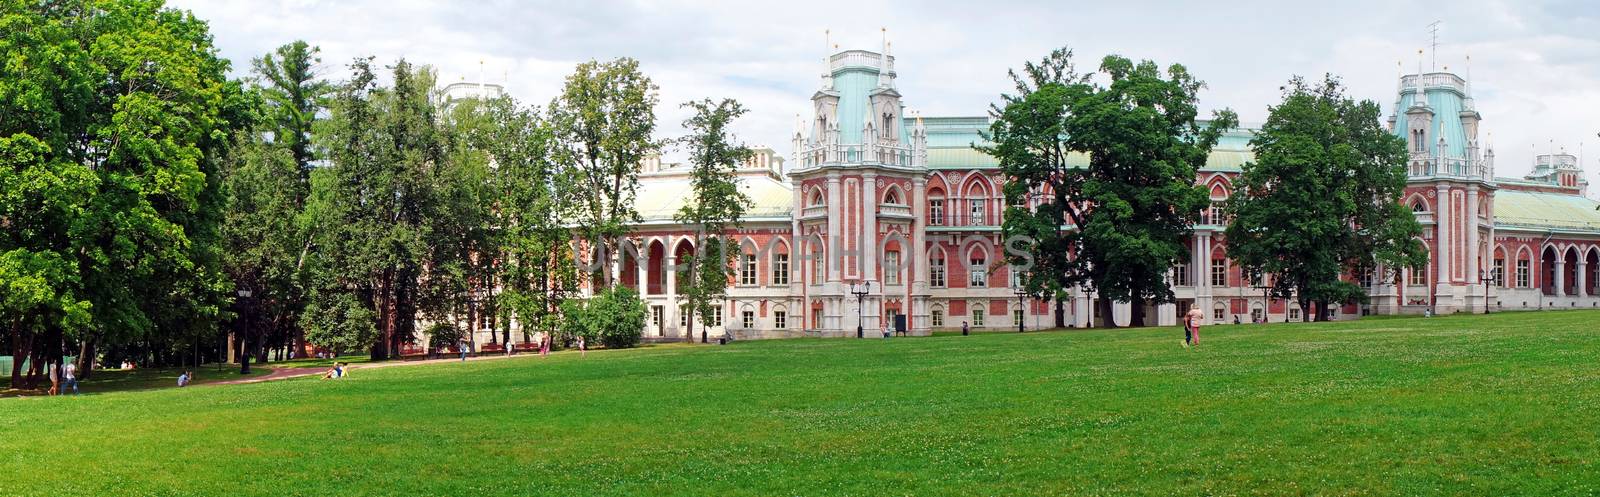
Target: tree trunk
{"x":86,"y":353}
{"x":1104,"y":312}
{"x":18,"y":353}
{"x":1137,"y":319}
{"x":1061,"y":315}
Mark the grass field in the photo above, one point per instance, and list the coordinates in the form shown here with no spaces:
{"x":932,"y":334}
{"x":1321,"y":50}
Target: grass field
{"x":1490,"y":405}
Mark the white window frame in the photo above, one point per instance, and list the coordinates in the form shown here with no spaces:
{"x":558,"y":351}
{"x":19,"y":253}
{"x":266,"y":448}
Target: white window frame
{"x":1219,"y":272}
{"x":936,"y":272}
{"x":978,"y":273}
{"x":780,"y":269}
{"x":780,"y":319}
{"x":747,"y":270}
{"x":936,"y":212}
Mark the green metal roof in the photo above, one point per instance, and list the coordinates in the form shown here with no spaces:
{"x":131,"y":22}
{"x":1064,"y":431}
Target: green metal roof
{"x":1545,"y":210}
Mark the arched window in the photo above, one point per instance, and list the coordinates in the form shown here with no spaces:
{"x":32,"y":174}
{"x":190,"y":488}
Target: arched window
{"x":936,"y":268}
{"x":893,"y":197}
{"x":1418,"y":206}
{"x":977,"y":268}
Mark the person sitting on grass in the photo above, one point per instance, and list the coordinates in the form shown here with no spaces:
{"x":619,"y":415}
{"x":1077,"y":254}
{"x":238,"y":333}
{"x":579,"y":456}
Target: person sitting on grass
{"x":183,"y":379}
{"x":337,"y":371}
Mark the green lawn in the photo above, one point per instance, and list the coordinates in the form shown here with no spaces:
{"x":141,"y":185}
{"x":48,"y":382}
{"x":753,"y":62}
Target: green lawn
{"x":1507,"y":404}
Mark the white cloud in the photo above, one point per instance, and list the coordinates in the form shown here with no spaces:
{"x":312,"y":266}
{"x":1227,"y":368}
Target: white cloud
{"x":1534,"y":67}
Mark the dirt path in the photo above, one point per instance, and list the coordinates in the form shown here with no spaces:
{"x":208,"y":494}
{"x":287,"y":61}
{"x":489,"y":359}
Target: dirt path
{"x":286,"y":373}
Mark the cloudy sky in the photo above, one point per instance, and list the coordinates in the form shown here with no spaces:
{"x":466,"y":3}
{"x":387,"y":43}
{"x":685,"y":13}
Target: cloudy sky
{"x":1535,"y":64}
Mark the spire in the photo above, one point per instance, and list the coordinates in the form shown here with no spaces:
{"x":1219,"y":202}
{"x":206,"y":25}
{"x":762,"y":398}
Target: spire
{"x":883,"y":60}
{"x":827,"y":74}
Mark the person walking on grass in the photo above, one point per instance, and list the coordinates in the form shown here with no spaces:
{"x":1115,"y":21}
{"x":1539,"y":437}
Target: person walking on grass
{"x":583,"y":347}
{"x":544,"y":345}
{"x":55,"y":378}
{"x":963,"y":328}
{"x":462,"y":346}
{"x":70,"y":374}
{"x":1191,"y":327}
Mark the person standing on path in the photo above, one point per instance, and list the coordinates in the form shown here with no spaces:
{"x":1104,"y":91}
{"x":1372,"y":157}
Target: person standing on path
{"x":71,"y":375}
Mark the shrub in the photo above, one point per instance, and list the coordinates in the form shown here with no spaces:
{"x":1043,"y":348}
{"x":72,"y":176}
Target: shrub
{"x":615,"y":317}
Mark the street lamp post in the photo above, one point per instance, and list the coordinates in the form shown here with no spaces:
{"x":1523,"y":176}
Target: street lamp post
{"x":244,"y":332}
{"x":1483,"y":276}
{"x":860,"y":291}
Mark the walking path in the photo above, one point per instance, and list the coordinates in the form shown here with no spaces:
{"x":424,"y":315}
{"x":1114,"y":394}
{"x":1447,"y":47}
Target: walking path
{"x":286,"y":373}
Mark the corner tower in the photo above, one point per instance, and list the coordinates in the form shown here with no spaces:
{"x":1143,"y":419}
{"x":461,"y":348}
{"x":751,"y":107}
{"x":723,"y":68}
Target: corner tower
{"x":1450,"y":187}
{"x":860,"y":178}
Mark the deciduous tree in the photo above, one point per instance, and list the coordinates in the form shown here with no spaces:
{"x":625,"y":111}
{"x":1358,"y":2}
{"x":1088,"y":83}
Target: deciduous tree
{"x":1322,"y":198}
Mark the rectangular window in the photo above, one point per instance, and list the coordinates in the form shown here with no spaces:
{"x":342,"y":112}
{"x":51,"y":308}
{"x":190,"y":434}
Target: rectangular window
{"x":979,"y":273}
{"x":1522,"y":274}
{"x":976,"y":209}
{"x":716,"y":319}
{"x":936,"y":272}
{"x":977,"y":316}
{"x":1498,"y":276}
{"x":936,"y":317}
{"x":780,"y":269}
{"x":891,"y":267}
{"x":816,"y":318}
{"x":780,"y":319}
{"x":1419,"y":276}
{"x":1220,"y":313}
{"x":936,"y":212}
{"x":1366,"y":280}
{"x":748,"y":319}
{"x":1294,"y":313}
{"x":747,"y":271}
{"x":1016,"y":316}
{"x":1180,"y":275}
{"x":1255,"y":279}
{"x":683,"y":316}
{"x":1219,"y":272}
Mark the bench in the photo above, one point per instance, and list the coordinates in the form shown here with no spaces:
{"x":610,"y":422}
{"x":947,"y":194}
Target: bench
{"x":525,"y":347}
{"x":492,"y":347}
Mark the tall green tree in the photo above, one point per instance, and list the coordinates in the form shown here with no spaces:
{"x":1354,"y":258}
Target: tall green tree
{"x":603,"y":124}
{"x":532,"y":272}
{"x":294,"y":95}
{"x":1132,"y":206}
{"x":714,"y":206}
{"x":372,"y":214}
{"x":133,"y":110}
{"x":1028,"y":139}
{"x":1322,"y":198}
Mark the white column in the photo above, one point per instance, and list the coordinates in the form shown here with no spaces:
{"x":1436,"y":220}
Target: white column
{"x":1471,"y":215}
{"x":670,"y":314}
{"x":1561,"y":277}
{"x":919,"y":230}
{"x":834,"y":244}
{"x":1583,"y":279}
{"x":869,"y":227}
{"x":1441,"y":253}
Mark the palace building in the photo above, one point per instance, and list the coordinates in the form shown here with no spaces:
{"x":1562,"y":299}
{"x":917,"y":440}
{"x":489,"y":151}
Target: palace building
{"x":879,"y":218}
